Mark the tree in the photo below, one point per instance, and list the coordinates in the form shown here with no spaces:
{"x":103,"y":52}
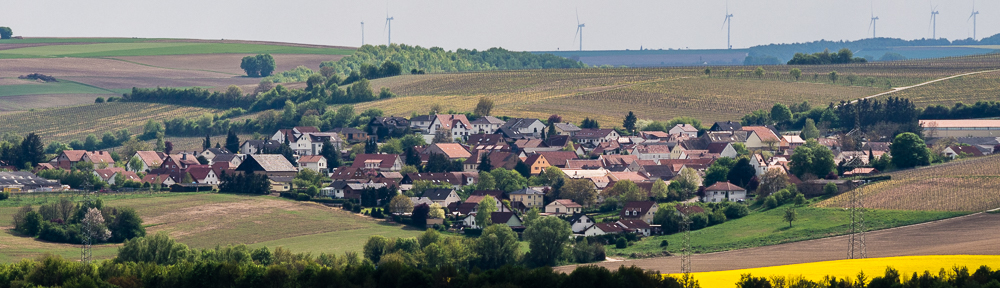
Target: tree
{"x":484,"y":162}
{"x":833,"y":76}
{"x":547,"y":237}
{"x":589,"y":124}
{"x":91,"y":143}
{"x":127,"y":225}
{"x":830,"y":189}
{"x":809,"y":131}
{"x":741,"y":173}
{"x":168,"y":147}
{"x":719,"y":171}
{"x":436,"y":212}
{"x":532,"y":216}
{"x":772,"y":181}
{"x":400,"y":204}
{"x":135,"y":164}
{"x":553,"y":119}
{"x":688,"y":180}
{"x":330,"y":152}
{"x":629,"y":123}
{"x":508,"y":180}
{"x":581,"y":191}
{"x":437,"y":163}
{"x":265,"y":64}
{"x":522,"y":168}
{"x":759,"y":72}
{"x":908,"y":150}
{"x":207,"y":143}
{"x":484,"y":107}
{"x":484,"y":214}
{"x":158,"y":249}
{"x":780,"y":113}
{"x":813,"y":159}
{"x":375,"y":247}
{"x":796,"y":73}
{"x":233,"y":142}
{"x":790,"y":216}
{"x":627,"y":191}
{"x":497,"y":246}
{"x":32,"y":150}
{"x":6,"y":32}
{"x":659,"y":190}
{"x":93,"y":226}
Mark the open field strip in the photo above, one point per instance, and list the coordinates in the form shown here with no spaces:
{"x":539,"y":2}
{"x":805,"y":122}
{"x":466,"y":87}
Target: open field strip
{"x":871,"y":267}
{"x":159,"y":48}
{"x":205,"y":220}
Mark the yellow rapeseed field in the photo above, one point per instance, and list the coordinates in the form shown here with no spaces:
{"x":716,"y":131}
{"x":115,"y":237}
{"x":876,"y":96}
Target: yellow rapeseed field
{"x":872,"y":267}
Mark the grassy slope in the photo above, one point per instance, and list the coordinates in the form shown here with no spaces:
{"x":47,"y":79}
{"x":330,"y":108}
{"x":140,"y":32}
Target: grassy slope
{"x":768,"y":228}
{"x":204,"y":220}
{"x":159,"y":48}
{"x":62,"y":87}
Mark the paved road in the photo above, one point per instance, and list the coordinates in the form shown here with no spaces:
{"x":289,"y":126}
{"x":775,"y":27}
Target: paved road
{"x":976,"y":234}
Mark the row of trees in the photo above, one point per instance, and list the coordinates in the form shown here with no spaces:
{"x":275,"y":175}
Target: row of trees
{"x":261,"y":65}
{"x":982,"y":109}
{"x":844,"y":56}
{"x":435,"y":59}
{"x":21,"y":152}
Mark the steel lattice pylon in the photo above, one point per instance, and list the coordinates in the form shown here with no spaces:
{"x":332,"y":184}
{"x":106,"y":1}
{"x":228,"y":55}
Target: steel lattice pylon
{"x":86,"y":253}
{"x":856,"y":248}
{"x":686,"y":246}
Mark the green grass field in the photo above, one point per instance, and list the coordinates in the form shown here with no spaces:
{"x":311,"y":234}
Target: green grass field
{"x":205,"y":220}
{"x":768,"y":228}
{"x":61,"y":87}
{"x":76,"y":40}
{"x":159,"y":48}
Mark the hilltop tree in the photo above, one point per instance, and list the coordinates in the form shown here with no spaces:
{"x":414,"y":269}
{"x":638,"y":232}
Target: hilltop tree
{"x":261,"y":65}
{"x":547,"y":238}
{"x":590,"y":124}
{"x":833,"y":76}
{"x":759,"y":72}
{"x":6,"y":32}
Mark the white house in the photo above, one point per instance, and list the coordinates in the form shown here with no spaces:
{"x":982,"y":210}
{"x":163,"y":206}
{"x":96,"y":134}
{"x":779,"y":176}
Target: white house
{"x":651,"y":151}
{"x":603,"y":228}
{"x":149,"y":160}
{"x":595,"y":136}
{"x":724,"y":191}
{"x":203,"y":175}
{"x":313,"y":162}
{"x":724,"y":149}
{"x":761,"y":138}
{"x":636,"y":226}
{"x":486,"y":125}
{"x":580,"y":222}
{"x":563,"y":206}
{"x":522,"y":128}
{"x":211,"y":153}
{"x":684,"y":130}
{"x":508,"y":218}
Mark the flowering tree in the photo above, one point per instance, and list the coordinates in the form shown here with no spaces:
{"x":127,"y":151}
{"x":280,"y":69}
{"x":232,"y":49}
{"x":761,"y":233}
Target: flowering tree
{"x":93,"y":225}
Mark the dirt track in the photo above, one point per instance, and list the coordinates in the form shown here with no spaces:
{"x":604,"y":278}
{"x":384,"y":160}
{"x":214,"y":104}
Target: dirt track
{"x":974,"y":235}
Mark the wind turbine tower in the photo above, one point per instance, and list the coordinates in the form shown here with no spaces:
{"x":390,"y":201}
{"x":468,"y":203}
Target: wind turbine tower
{"x":579,"y":29}
{"x":973,"y":17}
{"x":362,"y":33}
{"x":934,"y":14}
{"x":728,"y":22}
{"x":874,"y":20}
{"x":388,"y":24}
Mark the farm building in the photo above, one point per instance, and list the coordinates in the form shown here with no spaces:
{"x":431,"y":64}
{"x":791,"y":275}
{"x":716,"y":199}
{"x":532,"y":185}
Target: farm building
{"x":961,"y":128}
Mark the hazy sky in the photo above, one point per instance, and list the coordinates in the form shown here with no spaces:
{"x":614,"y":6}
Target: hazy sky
{"x":531,"y":25}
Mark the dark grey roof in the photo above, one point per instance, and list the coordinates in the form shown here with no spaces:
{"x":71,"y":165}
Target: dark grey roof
{"x":519,"y":123}
{"x":219,"y":151}
{"x":726,"y":126}
{"x":224,"y":157}
{"x":261,"y":144}
{"x":437,"y":194}
{"x":27,"y":179}
{"x":568,"y":127}
{"x":488,"y":120}
{"x":423,"y":118}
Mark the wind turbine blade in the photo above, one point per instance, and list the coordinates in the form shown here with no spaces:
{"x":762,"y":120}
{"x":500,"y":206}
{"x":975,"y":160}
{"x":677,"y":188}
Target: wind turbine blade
{"x":577,"y":16}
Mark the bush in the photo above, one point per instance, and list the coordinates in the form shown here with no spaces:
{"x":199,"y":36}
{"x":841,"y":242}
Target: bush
{"x":735,"y":210}
{"x":356,"y":209}
{"x":800,"y":199}
{"x":4,"y":195}
{"x":303,"y":197}
{"x":348,"y":206}
{"x":770,"y":202}
{"x":664,"y":243}
{"x":584,"y":252}
{"x":698,"y":221}
{"x":717,"y":217}
{"x":621,"y":243}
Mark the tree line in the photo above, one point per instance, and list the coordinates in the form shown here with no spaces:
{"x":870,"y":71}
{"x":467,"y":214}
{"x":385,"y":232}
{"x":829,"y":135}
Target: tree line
{"x":787,"y":51}
{"x":68,"y":222}
{"x":982,"y":109}
{"x":844,"y":56}
{"x":435,"y":59}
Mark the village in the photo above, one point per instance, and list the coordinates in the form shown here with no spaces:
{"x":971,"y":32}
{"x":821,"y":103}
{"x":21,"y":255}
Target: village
{"x":601,"y":181}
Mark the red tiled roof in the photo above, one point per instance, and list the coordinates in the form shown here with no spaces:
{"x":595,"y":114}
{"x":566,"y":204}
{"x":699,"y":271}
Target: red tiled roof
{"x":453,"y":150}
{"x":764,"y":133}
{"x":568,"y":203}
{"x":584,"y":164}
{"x":100,"y":156}
{"x":534,"y":158}
{"x":724,"y":186}
{"x":558,"y":158}
{"x":199,"y":172}
{"x":387,"y":160}
{"x":609,"y":227}
{"x":74,"y":155}
{"x":315,"y":159}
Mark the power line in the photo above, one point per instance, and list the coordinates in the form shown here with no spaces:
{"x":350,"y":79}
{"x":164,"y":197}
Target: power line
{"x":686,"y":246}
{"x":856,"y":248}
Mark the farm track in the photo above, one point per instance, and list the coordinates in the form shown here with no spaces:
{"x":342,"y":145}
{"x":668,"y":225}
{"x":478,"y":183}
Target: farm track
{"x":894,"y":90}
{"x":967,"y":235}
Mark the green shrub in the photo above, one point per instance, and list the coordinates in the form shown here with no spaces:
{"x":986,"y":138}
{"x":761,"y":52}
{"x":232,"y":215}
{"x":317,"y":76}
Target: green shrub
{"x":664,"y":243}
{"x":621,"y":243}
{"x":800,"y":199}
{"x":303,"y":197}
{"x":735,"y":210}
{"x":771,"y":202}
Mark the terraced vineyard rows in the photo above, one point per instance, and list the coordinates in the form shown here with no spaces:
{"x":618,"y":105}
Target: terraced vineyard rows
{"x":966,"y":89}
{"x":969,"y":185}
{"x":74,"y":123}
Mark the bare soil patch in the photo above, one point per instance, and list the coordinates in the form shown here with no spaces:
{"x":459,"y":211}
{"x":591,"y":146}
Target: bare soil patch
{"x":94,"y":67}
{"x":229,"y":63}
{"x":967,"y":235}
{"x":28,"y":102}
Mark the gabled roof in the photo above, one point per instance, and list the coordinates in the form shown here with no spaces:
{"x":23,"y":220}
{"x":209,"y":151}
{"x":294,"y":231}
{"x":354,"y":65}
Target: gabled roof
{"x":502,"y":217}
{"x":306,"y":129}
{"x":310,"y":159}
{"x":529,"y":143}
{"x":527,"y":191}
{"x":557,"y":141}
{"x":218,"y":151}
{"x":485,"y":139}
{"x":726,"y":126}
{"x":100,"y":156}
{"x":577,"y":216}
{"x":534,"y":158}
{"x":717,"y":147}
{"x":108,"y":173}
{"x":878,"y":146}
{"x":764,"y":133}
{"x":662,"y":171}
{"x":567,"y":127}
{"x":567,"y":202}
{"x":558,"y":158}
{"x":641,"y":206}
{"x":584,"y":164}
{"x":385,"y":160}
{"x":448,"y":120}
{"x":488,"y":120}
{"x":151,"y":158}
{"x":685,"y":127}
{"x":608,"y":228}
{"x":592,"y":133}
{"x":972,"y":151}
{"x":631,"y":176}
{"x":634,"y":224}
{"x":156,"y":178}
{"x":727,"y":136}
{"x":74,"y":155}
{"x":423,"y":118}
{"x":619,"y":159}
{"x":652,"y":149}
{"x":200,"y":173}
{"x":437,"y":194}
{"x":654,"y":134}
{"x":436,"y":178}
{"x":724,"y":186}
{"x":225,"y":157}
{"x":519,"y":123}
{"x":452,"y":150}
{"x":270,"y":162}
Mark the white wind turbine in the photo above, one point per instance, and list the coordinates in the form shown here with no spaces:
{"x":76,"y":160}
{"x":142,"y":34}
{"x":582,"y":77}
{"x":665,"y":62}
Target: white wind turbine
{"x":579,"y":29}
{"x":934,"y":13}
{"x":728,"y":23}
{"x":388,"y":25}
{"x":872,"y":25}
{"x":973,"y":17}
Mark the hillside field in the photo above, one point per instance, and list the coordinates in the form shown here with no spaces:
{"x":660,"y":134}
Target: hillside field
{"x":205,"y":220}
{"x":964,"y":185}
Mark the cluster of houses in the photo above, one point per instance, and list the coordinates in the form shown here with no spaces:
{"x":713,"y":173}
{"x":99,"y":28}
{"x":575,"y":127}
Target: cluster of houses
{"x":602,"y":156}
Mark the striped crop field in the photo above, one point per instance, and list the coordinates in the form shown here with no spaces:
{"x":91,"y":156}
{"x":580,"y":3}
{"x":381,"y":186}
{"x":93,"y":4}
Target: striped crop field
{"x":74,"y":123}
{"x":966,"y":185}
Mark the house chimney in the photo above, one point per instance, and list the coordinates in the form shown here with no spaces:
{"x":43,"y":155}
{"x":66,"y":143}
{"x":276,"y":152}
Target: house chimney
{"x":184,"y":156}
